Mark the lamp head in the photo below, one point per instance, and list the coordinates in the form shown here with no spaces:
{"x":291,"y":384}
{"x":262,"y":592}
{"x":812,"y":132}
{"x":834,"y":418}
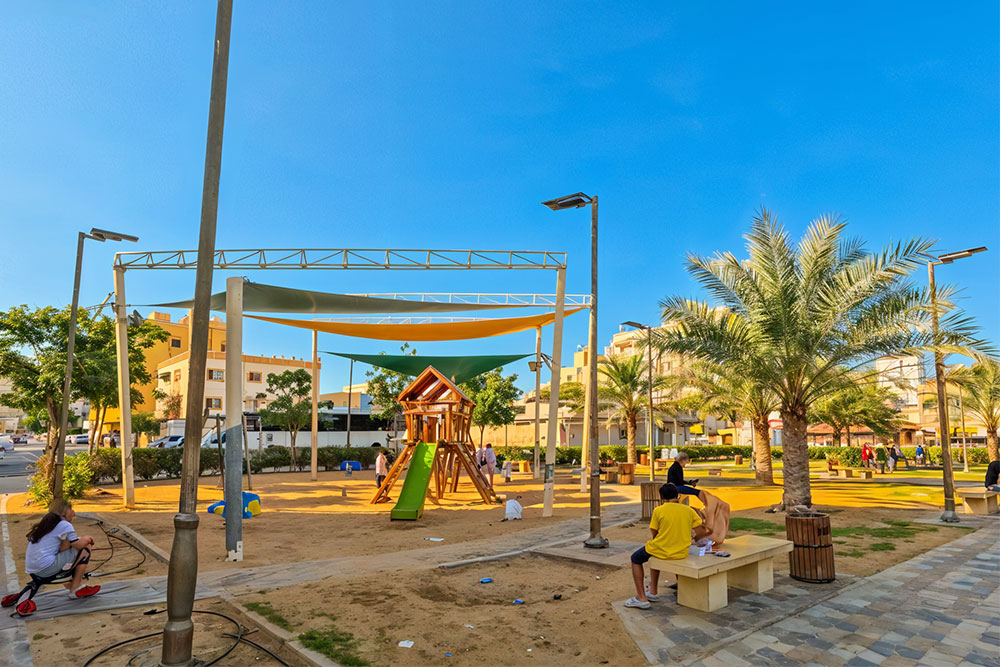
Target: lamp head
{"x":107,"y":235}
{"x":950,"y":257}
{"x":636,"y":325}
{"x":569,"y":201}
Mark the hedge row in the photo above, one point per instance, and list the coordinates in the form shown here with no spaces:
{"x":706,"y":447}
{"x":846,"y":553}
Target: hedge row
{"x":106,"y":464}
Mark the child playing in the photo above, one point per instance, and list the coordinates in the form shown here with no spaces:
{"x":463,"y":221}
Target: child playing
{"x":671,"y":527}
{"x":54,"y":547}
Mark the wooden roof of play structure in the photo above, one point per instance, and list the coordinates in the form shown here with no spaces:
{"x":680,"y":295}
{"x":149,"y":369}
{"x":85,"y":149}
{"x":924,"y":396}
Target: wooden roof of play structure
{"x":436,"y":409}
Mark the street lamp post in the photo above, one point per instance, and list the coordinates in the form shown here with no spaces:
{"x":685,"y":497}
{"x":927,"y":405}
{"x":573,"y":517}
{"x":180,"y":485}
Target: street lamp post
{"x":649,"y":410}
{"x":596,"y":540}
{"x":96,"y":235}
{"x":949,"y":514}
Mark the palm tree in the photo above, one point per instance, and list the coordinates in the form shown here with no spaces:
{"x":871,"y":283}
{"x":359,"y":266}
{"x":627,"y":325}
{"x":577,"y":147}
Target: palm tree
{"x":796,"y":319}
{"x":981,"y":394}
{"x":624,"y":389}
{"x":734,"y":396}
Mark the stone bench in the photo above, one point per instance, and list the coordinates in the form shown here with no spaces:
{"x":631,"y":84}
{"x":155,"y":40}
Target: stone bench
{"x":703,"y":581}
{"x":979,"y":500}
{"x":848,"y":473}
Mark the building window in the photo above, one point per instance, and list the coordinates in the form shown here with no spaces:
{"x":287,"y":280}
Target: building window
{"x":177,"y":375}
{"x":253,"y":377}
{"x":213,"y":403}
{"x":175,"y":342}
{"x":222,"y":347}
{"x":216,"y":375}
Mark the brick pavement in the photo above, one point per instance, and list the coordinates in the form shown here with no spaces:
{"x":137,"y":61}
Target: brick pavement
{"x":939,"y":608}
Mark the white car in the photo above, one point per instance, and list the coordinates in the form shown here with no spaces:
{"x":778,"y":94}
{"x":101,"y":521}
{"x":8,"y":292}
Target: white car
{"x":78,"y":439}
{"x":169,"y":442}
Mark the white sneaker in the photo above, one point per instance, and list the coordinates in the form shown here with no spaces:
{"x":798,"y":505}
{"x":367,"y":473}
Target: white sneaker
{"x":637,"y":603}
{"x":652,"y":597}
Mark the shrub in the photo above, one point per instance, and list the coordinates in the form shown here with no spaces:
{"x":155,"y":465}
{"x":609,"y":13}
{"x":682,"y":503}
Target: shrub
{"x":106,"y":464}
{"x":145,"y":463}
{"x":210,"y":461}
{"x":77,"y":478}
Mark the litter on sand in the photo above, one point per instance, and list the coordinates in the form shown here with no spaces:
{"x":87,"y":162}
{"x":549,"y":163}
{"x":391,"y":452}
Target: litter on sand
{"x":519,"y":601}
{"x":406,"y":643}
{"x":434,"y":539}
{"x":557,"y":596}
{"x":471,"y":627}
{"x":486,"y":580}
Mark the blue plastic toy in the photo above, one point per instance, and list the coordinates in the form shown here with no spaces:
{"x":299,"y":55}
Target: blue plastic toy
{"x":251,"y":506}
{"x":353,"y":465}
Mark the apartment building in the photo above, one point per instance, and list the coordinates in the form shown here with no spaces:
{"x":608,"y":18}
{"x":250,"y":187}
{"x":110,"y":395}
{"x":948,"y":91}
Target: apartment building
{"x":10,"y":418}
{"x":172,"y":379}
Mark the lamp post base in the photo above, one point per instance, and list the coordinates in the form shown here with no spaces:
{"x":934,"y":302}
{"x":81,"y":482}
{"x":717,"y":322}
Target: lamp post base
{"x":949,"y":516}
{"x":596,"y":542}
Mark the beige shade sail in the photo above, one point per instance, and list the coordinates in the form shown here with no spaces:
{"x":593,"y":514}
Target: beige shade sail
{"x":423,"y":332}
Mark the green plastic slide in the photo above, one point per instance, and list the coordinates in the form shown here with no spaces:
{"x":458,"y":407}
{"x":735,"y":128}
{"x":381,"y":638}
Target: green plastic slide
{"x":410,"y":505}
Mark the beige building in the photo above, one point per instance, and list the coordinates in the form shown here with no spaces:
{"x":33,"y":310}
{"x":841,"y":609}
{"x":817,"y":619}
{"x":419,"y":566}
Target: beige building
{"x":172,"y":378}
{"x":10,"y":418}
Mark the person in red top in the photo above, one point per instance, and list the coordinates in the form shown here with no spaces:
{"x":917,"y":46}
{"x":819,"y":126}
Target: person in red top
{"x":866,"y":454}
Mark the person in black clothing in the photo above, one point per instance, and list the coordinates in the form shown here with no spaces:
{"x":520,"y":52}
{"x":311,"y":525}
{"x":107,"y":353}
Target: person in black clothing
{"x":675,"y":475}
{"x":993,"y":475}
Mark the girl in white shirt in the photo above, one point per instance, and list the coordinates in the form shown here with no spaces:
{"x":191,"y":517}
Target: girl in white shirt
{"x":54,"y":547}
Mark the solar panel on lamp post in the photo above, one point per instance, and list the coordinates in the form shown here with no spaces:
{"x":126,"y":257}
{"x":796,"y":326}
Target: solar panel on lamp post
{"x":95,"y":234}
{"x":948,"y":474}
{"x":578,"y":200}
{"x":649,"y":410}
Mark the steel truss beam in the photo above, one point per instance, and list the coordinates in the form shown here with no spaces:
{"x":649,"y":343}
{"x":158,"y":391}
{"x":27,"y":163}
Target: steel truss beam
{"x":572,"y":300}
{"x":306,"y":258}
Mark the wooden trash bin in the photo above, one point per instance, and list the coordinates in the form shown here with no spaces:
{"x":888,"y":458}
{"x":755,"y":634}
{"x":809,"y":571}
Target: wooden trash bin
{"x":626,"y":473}
{"x":644,"y":459}
{"x":650,"y":494}
{"x":738,"y":459}
{"x":811,"y":558}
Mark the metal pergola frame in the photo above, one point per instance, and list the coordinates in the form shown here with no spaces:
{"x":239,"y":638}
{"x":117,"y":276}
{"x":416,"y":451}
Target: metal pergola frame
{"x":339,"y":259}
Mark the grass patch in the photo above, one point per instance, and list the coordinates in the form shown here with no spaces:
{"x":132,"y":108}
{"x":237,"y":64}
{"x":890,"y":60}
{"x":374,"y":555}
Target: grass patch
{"x":334,"y":644}
{"x":853,"y":554}
{"x":267,"y":611}
{"x":758,"y":526}
{"x":890,"y":530}
{"x":140,"y":571}
{"x":882,"y":546}
{"x":38,"y":636}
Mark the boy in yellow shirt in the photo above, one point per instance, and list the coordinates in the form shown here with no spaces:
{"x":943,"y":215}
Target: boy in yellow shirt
{"x":671,"y":527}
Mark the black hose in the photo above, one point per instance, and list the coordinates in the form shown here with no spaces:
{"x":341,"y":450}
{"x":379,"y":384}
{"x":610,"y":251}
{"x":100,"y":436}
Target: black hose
{"x":240,"y":636}
{"x":111,"y":545}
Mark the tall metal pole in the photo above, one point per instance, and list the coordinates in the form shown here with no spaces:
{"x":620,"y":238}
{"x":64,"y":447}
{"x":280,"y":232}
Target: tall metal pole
{"x":596,"y":540}
{"x":553,"y":425}
{"x":60,"y":444}
{"x":649,"y":428}
{"x":350,"y":396}
{"x":538,"y":402}
{"x":124,"y":391}
{"x":233,"y":484}
{"x":182,"y":575}
{"x":949,"y":514}
{"x":314,"y":441}
{"x":965,"y":448}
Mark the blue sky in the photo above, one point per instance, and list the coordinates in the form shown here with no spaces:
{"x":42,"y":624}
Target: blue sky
{"x":364,"y":124}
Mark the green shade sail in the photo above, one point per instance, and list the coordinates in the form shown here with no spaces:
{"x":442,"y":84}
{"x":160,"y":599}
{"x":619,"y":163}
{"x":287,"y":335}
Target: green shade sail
{"x":259,"y":298}
{"x":458,"y":369}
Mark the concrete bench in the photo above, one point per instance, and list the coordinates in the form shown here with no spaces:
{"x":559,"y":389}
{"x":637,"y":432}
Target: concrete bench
{"x":521,"y":466}
{"x":703,"y":581}
{"x":979,"y":500}
{"x":848,"y":473}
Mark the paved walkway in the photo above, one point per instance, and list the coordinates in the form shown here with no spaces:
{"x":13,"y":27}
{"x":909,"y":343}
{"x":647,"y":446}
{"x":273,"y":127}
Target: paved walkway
{"x":939,"y":608}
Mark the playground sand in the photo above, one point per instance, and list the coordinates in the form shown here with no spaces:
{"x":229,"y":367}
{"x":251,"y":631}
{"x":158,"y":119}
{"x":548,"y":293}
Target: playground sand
{"x":304,"y":520}
{"x":432,"y":608}
{"x":853,"y":554}
{"x":56,"y":642}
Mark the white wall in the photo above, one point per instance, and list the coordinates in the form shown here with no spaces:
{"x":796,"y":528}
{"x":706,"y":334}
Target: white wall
{"x":325,"y":439}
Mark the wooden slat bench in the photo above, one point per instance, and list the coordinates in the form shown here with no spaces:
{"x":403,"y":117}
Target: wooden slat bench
{"x":979,"y":500}
{"x":703,"y":581}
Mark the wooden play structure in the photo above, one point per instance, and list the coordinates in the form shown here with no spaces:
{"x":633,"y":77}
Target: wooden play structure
{"x":438,"y":412}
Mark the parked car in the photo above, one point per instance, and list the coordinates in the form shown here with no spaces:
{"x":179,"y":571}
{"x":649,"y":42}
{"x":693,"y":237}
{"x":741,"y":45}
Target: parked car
{"x":19,"y":438}
{"x":5,"y":444}
{"x":78,"y":439}
{"x":212,"y":440}
{"x":169,"y":442}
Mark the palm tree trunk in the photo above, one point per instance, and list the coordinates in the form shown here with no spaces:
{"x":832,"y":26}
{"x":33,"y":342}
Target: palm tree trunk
{"x":631,"y":438}
{"x":991,"y":445}
{"x":762,"y":451}
{"x":795,"y":458}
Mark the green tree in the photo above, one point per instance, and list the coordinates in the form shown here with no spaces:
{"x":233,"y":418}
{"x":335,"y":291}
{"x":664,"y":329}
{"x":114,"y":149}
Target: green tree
{"x":863,"y":403}
{"x":797,"y":319}
{"x":146,"y":423}
{"x":290,"y":410}
{"x":623,"y":387}
{"x":730,"y":395}
{"x":494,"y":396}
{"x":384,"y":387}
{"x":980,"y":386}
